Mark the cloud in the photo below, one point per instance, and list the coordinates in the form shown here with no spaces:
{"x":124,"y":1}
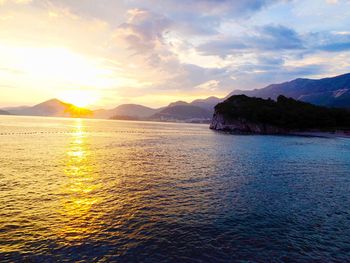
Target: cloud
{"x":210,"y":85}
{"x":108,"y":11}
{"x":199,"y":17}
{"x":266,"y":38}
{"x":3,"y":2}
{"x":329,"y":41}
{"x":169,"y":48}
{"x":213,"y":7}
{"x":277,"y":37}
{"x":143,"y":30}
{"x":145,"y":34}
{"x":332,"y":1}
{"x":268,"y":60}
{"x":203,"y":17}
{"x":222,"y":47}
{"x":336,"y":47}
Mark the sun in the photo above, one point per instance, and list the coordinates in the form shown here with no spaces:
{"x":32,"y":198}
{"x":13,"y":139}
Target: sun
{"x":79,"y":98}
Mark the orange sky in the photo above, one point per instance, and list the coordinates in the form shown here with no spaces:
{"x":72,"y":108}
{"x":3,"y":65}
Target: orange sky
{"x":105,"y":53}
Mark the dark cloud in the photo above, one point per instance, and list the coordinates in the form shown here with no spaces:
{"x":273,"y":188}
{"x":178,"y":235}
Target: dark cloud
{"x":277,"y":37}
{"x":203,"y":17}
{"x":336,"y":47}
{"x":330,"y":41}
{"x":267,"y":60}
{"x":267,"y":38}
{"x":229,"y":8}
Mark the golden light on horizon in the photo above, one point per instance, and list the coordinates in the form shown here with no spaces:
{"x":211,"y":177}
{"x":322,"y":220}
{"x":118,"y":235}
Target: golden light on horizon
{"x":79,"y":98}
{"x":58,"y":71}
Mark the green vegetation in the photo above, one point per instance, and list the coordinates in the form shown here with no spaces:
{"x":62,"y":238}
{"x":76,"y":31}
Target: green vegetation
{"x":285,"y":113}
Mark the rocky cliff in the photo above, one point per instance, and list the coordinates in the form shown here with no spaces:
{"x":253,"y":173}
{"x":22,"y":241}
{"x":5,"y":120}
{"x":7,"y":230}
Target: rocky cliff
{"x":242,"y":126}
{"x":244,"y":115}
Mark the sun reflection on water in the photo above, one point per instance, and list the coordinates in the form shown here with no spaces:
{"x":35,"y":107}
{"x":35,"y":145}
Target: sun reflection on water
{"x":80,"y":192}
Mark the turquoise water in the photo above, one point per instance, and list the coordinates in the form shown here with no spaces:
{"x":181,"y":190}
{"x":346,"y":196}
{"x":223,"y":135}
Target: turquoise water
{"x":101,"y":191}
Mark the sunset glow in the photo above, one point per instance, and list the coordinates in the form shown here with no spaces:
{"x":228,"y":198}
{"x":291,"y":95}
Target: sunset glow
{"x":147,"y":53}
{"x":174,"y":131}
{"x":79,"y":98}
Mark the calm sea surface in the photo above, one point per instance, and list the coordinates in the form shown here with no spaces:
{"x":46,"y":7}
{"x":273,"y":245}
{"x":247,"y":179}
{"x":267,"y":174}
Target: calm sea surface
{"x":93,"y":190}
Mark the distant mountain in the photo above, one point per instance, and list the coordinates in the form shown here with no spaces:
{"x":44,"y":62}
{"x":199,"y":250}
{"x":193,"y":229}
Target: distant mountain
{"x":128,"y":111}
{"x":53,"y":108}
{"x":178,"y":103}
{"x":330,"y":92}
{"x":184,"y":112}
{"x":15,"y":110}
{"x":197,"y":110}
{"x":208,"y":103}
{"x":2,"y":112}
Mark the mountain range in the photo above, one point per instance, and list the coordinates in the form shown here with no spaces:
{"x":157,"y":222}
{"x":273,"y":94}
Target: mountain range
{"x":186,"y":112}
{"x":197,"y":111}
{"x":125,"y":110}
{"x":329,"y":92}
{"x":52,"y":108}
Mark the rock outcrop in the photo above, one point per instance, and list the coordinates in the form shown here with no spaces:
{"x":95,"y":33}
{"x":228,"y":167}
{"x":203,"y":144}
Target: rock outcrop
{"x":244,"y":115}
{"x":242,"y":126}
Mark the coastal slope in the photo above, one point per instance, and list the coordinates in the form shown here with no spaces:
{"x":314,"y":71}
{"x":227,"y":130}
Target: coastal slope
{"x":242,"y":114}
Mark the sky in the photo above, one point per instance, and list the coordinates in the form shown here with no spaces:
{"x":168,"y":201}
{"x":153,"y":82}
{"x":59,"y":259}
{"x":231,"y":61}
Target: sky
{"x":102,"y":53}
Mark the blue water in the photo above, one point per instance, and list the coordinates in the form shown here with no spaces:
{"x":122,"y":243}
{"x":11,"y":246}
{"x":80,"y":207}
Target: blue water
{"x":102,"y":191}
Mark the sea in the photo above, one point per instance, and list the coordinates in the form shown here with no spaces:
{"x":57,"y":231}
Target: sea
{"x":84,"y":190}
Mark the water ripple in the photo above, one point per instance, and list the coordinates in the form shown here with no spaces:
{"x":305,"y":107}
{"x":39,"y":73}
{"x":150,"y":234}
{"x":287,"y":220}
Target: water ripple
{"x":102,"y":191}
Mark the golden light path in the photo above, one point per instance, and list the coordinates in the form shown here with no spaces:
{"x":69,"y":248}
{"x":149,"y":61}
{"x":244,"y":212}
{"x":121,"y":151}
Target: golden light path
{"x":79,"y":219}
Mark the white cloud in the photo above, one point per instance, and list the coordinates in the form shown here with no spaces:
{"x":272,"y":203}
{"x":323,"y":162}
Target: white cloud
{"x":3,"y":2}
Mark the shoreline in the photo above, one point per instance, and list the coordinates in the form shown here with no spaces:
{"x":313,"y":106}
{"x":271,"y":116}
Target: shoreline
{"x":336,"y":134}
{"x":320,"y":134}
